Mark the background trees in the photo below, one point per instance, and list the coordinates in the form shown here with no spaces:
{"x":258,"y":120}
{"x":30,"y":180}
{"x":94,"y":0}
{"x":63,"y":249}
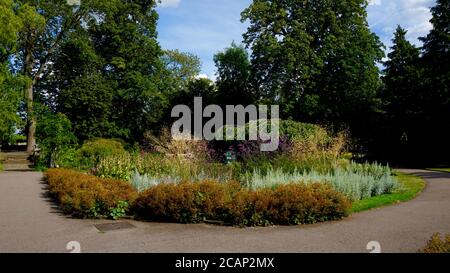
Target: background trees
{"x":317,"y":59}
{"x":415,"y":123}
{"x":233,"y":76}
{"x":101,"y":67}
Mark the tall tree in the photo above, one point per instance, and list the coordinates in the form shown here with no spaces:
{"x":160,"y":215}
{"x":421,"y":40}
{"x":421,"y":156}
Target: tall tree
{"x":45,"y":25}
{"x":400,"y":96}
{"x":117,"y":50}
{"x":182,"y":67}
{"x":317,"y":59}
{"x":10,"y":98}
{"x":233,"y":76}
{"x":436,"y":83}
{"x":10,"y":85}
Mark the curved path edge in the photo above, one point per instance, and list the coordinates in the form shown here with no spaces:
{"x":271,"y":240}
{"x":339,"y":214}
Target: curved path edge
{"x":30,"y":222}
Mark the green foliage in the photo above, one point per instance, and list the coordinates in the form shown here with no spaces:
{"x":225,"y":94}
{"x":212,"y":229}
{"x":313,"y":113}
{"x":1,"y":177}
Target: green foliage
{"x":93,"y":151}
{"x":88,"y":196}
{"x":413,"y":127}
{"x":400,"y":94}
{"x":120,"y":210}
{"x":54,"y":137}
{"x":119,"y":166}
{"x":10,"y":98}
{"x":409,"y":186}
{"x":10,"y":25}
{"x":437,"y":245}
{"x":88,"y":102}
{"x":297,"y":130}
{"x":233,"y":81}
{"x":149,"y":169}
{"x":183,"y":67}
{"x":316,"y":58}
{"x":123,"y":58}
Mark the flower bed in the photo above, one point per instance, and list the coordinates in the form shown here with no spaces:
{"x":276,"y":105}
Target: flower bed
{"x":85,"y":195}
{"x":289,"y":204}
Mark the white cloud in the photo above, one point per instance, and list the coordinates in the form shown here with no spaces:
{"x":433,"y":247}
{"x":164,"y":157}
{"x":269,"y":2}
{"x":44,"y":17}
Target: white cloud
{"x":202,"y":76}
{"x":169,"y":3}
{"x":413,"y":15}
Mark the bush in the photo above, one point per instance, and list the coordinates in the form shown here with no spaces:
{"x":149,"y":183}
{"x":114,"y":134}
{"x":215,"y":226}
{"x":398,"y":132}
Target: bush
{"x":356,"y":181}
{"x":290,"y":204}
{"x":186,"y":202}
{"x":84,"y":195}
{"x":437,"y":245}
{"x":54,"y":137}
{"x":93,"y":151}
{"x":157,"y":167}
{"x":184,"y":148}
{"x":297,"y":130}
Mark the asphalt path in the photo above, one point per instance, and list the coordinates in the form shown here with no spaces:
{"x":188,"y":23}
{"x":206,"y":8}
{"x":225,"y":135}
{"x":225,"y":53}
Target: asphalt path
{"x":30,"y":222}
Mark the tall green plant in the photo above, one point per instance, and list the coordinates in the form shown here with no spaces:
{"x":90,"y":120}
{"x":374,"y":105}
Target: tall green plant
{"x":54,"y":136}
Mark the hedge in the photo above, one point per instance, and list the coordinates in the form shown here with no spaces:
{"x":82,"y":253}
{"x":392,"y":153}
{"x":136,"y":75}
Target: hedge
{"x":290,"y":204}
{"x":85,"y":195}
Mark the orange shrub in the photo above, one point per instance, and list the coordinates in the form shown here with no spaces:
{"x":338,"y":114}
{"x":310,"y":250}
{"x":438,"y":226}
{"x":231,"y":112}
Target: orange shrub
{"x":290,"y":204}
{"x":437,"y":244}
{"x":85,"y":195}
{"x":186,"y":202}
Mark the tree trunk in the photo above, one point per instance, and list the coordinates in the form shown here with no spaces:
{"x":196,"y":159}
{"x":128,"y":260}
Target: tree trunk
{"x":31,"y":119}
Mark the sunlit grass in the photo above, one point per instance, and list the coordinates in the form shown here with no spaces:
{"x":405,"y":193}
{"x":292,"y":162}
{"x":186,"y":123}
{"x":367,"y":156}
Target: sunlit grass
{"x":410,"y":186}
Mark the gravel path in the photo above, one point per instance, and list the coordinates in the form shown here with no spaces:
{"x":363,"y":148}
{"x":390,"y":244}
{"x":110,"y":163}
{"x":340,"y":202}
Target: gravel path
{"x":29,"y":222}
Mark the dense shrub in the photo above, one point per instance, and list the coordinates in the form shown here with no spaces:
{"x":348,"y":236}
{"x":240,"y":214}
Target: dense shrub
{"x":54,"y":137}
{"x":290,"y":204}
{"x":356,"y":181}
{"x":297,"y":130}
{"x":157,"y":167}
{"x":437,"y":245}
{"x":93,"y":151}
{"x":84,"y":195}
{"x":185,"y":202}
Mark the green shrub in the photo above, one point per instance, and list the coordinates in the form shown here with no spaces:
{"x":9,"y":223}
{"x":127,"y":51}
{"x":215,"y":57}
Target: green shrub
{"x":93,"y":151}
{"x":297,"y":130}
{"x":54,"y":136}
{"x":290,"y":204}
{"x":141,"y":168}
{"x":85,"y":195}
{"x":437,"y":245}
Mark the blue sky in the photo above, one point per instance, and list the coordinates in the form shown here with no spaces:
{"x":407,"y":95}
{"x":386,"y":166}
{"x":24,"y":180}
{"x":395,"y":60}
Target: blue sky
{"x":204,"y":27}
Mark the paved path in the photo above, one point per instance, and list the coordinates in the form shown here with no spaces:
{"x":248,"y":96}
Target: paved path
{"x":29,"y":222}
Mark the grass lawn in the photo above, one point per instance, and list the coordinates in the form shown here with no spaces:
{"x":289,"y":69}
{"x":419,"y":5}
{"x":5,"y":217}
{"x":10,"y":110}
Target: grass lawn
{"x":410,"y":187}
{"x":446,"y":170}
